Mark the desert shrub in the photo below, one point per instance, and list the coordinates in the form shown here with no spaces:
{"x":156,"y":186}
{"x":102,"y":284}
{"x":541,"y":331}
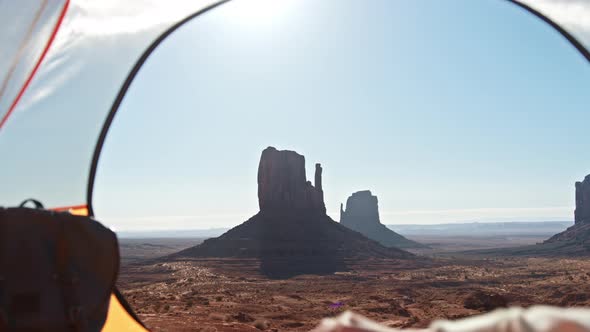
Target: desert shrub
{"x":391,"y":309}
{"x":292,"y":325}
{"x":574,"y":299}
{"x":485,"y":301}
{"x":201,"y":300}
{"x":217,"y":316}
{"x":261,"y":324}
{"x":243,"y":317}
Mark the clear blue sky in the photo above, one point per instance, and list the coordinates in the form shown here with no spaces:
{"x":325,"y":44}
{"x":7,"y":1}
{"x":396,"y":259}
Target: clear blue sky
{"x":448,"y":111}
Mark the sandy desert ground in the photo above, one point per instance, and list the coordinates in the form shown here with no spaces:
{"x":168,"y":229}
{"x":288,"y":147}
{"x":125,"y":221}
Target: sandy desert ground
{"x":231,"y":295}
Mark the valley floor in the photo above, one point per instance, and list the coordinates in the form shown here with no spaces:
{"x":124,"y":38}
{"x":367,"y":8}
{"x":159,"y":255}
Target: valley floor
{"x":231,"y":295}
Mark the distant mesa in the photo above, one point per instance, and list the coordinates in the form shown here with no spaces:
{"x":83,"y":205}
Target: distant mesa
{"x":362,"y":215}
{"x":573,"y":242}
{"x":292,"y":234}
{"x":577,"y":237}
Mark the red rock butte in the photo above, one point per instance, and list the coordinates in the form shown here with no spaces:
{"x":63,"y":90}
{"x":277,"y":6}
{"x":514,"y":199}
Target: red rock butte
{"x":575,"y":241}
{"x":292,"y":234}
{"x":283,"y":185}
{"x":362,"y":215}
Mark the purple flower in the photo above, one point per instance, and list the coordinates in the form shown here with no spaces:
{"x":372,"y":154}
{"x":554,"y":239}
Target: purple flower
{"x":336,"y":305}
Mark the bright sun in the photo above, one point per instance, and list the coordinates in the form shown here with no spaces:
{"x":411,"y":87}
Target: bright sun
{"x":258,"y":12}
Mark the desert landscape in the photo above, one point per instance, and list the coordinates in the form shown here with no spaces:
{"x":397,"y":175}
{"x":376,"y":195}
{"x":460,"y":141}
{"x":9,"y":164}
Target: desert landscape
{"x":291,"y":265}
{"x":232,"y":295}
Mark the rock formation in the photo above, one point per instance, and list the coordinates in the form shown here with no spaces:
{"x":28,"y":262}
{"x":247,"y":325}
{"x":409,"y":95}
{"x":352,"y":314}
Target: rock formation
{"x":582,"y":212}
{"x":291,"y":234}
{"x":283,"y":186}
{"x":575,"y":241}
{"x":361,"y":210}
{"x":362,"y":215}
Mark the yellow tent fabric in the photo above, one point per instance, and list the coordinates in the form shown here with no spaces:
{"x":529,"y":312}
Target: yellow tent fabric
{"x":119,"y":319}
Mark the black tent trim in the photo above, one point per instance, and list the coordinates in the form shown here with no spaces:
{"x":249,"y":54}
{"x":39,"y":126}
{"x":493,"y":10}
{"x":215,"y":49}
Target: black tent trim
{"x":576,"y":43}
{"x":165,"y":34}
{"x":121,"y":95}
{"x":145,"y":55}
{"x":158,"y":41}
{"x":108,"y":121}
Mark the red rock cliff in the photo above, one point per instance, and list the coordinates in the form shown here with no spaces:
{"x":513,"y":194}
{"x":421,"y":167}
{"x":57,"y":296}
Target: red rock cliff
{"x":283,"y":185}
{"x":582,"y":213}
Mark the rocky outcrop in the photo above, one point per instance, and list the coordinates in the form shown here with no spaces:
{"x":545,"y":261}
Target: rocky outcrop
{"x":283,"y":186}
{"x":485,"y":301}
{"x":576,"y":239}
{"x":292,"y":234}
{"x":361,"y":210}
{"x":582,"y":212}
{"x":362,"y":215}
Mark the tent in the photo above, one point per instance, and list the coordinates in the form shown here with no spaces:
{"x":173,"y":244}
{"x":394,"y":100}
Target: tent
{"x":44,"y":62}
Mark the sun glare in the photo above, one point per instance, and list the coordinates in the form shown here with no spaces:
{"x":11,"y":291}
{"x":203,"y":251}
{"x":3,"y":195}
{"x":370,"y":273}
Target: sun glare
{"x":258,"y":12}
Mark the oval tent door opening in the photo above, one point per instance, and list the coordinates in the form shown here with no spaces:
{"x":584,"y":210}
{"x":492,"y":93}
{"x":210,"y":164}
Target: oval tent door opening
{"x":277,"y":162}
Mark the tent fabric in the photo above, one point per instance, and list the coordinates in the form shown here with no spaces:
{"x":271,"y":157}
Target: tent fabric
{"x":119,"y":319}
{"x":573,"y":16}
{"x":58,"y":120}
{"x":31,"y":26}
{"x":515,"y":319}
{"x":79,"y":210}
{"x":96,"y":45}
